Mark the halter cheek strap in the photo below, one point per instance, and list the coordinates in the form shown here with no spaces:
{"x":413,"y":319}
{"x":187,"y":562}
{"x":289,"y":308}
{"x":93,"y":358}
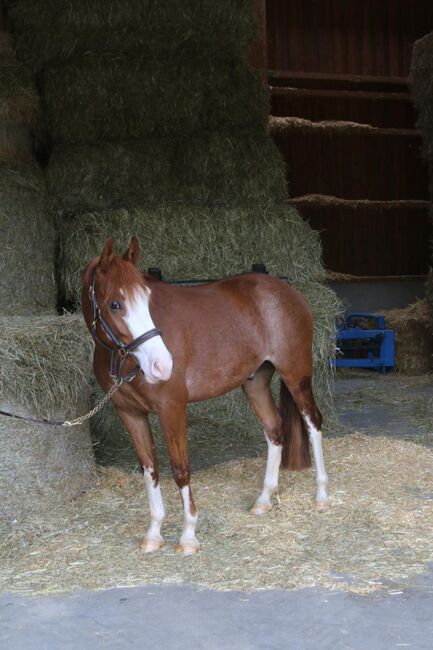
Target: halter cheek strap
{"x":120,"y":351}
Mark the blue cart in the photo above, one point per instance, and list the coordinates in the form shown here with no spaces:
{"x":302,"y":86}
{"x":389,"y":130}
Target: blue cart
{"x":365,"y":347}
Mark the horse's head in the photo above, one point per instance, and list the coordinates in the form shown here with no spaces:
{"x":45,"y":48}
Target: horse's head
{"x":123,"y":298}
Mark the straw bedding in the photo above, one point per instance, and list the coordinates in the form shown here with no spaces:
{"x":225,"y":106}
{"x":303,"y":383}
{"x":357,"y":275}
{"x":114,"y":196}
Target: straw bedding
{"x":165,"y":29}
{"x":413,"y":328}
{"x":378,"y":530}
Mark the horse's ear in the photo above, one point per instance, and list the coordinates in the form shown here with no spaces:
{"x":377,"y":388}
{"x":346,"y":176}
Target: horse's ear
{"x":107,"y":256}
{"x":86,"y":275}
{"x":133,"y":253}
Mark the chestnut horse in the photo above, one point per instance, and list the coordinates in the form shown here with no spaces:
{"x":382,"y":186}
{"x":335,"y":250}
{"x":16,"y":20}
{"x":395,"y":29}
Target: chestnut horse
{"x":194,"y":343}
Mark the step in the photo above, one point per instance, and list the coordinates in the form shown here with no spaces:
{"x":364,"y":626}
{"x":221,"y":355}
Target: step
{"x":370,"y":238}
{"x":380,"y":109}
{"x":351,"y":160}
{"x":321,"y":81}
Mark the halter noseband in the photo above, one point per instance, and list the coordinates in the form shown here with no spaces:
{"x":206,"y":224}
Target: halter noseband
{"x":120,"y":351}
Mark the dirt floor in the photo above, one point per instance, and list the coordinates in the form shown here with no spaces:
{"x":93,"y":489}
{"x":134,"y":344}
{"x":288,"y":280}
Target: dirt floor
{"x":399,"y":615}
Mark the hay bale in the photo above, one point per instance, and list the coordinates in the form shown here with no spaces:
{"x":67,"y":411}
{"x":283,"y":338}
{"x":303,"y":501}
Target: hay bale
{"x":206,"y":28}
{"x":429,"y":292}
{"x":376,"y":534}
{"x":421,"y":81}
{"x":44,"y":365}
{"x":223,"y":169}
{"x":19,"y":106}
{"x":413,"y":328}
{"x":105,"y":175}
{"x":205,"y":169}
{"x":117,"y":98}
{"x":27,"y":243}
{"x":214,"y":242}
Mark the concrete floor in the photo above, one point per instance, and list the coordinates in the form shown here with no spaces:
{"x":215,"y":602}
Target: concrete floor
{"x":181,"y":617}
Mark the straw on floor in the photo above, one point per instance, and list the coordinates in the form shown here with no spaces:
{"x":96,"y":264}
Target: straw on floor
{"x":378,"y":530}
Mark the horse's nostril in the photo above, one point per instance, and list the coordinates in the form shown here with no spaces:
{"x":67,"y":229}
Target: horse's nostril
{"x":156,"y":369}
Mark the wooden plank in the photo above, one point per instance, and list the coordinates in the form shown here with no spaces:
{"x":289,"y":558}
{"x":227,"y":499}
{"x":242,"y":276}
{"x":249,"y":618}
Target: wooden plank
{"x":393,"y":110}
{"x":3,"y":16}
{"x":325,"y":81}
{"x":372,"y":238}
{"x":258,"y":56}
{"x":353,"y":163}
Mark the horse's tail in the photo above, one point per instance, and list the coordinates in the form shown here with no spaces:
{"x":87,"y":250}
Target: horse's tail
{"x":296,"y":447}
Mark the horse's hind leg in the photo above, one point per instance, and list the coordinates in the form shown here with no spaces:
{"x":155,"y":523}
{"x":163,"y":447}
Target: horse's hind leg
{"x":302,"y":393}
{"x":260,"y":398}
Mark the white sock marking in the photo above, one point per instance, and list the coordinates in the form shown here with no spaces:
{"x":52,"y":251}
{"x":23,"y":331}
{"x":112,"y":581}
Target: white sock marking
{"x":321,"y":475}
{"x":156,"y":505}
{"x":190,"y":519}
{"x":273,"y":463}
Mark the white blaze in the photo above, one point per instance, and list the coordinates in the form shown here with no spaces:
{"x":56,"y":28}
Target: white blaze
{"x":154,"y":358}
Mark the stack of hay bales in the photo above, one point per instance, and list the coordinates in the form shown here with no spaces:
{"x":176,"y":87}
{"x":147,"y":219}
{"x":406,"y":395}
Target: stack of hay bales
{"x":421,"y":78}
{"x":158,"y":129}
{"x":27,"y":236}
{"x":42,"y":355}
{"x":413,"y":328}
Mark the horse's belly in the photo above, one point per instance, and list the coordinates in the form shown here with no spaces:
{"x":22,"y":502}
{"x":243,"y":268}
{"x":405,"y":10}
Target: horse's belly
{"x":204,"y":385}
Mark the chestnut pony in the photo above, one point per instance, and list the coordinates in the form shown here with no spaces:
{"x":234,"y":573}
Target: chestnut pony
{"x":185,"y":344}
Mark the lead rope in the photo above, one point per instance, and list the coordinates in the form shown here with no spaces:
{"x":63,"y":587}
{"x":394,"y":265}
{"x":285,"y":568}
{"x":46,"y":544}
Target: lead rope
{"x":99,"y":406}
{"x":73,"y":423}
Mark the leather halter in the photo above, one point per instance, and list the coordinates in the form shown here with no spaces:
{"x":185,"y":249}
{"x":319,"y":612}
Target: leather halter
{"x":120,"y":351}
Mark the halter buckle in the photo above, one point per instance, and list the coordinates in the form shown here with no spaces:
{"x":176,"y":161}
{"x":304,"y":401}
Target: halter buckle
{"x":123,"y":352}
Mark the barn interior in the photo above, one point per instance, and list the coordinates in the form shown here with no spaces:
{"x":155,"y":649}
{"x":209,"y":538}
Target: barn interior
{"x":292,"y":133}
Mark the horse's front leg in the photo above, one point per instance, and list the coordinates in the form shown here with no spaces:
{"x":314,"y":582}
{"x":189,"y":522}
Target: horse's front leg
{"x":173,"y":421}
{"x":142,"y":439}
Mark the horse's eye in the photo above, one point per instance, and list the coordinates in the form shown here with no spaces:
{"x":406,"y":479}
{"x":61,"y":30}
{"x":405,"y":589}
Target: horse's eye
{"x":115,"y":306}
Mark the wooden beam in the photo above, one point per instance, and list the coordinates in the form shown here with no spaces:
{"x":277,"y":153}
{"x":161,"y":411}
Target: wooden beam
{"x":3,"y":16}
{"x":258,"y":57}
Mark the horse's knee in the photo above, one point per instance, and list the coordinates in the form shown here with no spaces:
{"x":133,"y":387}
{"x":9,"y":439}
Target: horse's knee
{"x":274,"y":431}
{"x":182,"y":474}
{"x":304,"y":398}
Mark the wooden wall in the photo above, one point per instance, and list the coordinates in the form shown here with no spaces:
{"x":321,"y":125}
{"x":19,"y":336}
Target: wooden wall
{"x":334,"y":61}
{"x":364,"y":37}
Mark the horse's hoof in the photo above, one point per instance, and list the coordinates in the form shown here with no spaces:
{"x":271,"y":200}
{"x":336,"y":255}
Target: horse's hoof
{"x":151,"y":545}
{"x":188,"y":548}
{"x":323,"y":506}
{"x":260,"y":508}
